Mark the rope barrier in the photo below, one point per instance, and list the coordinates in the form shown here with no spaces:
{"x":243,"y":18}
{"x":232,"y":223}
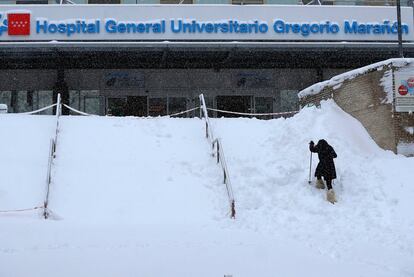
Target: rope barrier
{"x":170,"y":115}
{"x":40,"y":110}
{"x":22,"y":210}
{"x":252,"y":114}
{"x":187,"y":111}
{"x":77,"y":111}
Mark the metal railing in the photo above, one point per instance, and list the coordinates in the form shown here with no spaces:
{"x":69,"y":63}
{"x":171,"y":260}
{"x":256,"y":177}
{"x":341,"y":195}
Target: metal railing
{"x":217,"y":149}
{"x":52,"y":156}
{"x":52,"y":150}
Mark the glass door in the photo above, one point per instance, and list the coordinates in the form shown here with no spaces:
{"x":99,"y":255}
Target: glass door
{"x":136,"y":106}
{"x":242,"y":104}
{"x":264,"y":105}
{"x":116,"y":106}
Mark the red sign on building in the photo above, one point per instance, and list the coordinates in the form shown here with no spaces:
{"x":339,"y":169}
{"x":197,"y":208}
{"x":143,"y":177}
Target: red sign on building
{"x":19,"y":24}
{"x":402,"y":90}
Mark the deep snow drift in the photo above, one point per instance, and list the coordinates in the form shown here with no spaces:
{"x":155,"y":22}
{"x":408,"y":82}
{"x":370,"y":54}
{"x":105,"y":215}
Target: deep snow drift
{"x":143,"y":197}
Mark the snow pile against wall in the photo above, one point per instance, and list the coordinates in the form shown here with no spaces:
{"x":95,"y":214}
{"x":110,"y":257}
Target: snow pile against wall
{"x":337,"y":81}
{"x":270,"y":164}
{"x":144,"y":197}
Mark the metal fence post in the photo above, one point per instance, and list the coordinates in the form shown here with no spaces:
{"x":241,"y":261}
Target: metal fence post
{"x":206,"y":129}
{"x":218,"y":152}
{"x":233,"y":210}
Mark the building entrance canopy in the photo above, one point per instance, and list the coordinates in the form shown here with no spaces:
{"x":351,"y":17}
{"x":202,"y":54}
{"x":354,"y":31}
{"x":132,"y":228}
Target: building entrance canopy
{"x":202,"y":23}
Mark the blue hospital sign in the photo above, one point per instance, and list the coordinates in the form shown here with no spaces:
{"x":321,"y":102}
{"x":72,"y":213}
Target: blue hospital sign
{"x":194,"y":22}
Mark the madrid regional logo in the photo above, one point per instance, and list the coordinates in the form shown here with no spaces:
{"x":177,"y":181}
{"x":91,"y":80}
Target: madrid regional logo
{"x":15,"y":24}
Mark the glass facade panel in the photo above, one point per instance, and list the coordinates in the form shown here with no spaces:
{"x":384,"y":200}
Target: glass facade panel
{"x":74,"y":100}
{"x":27,"y":101}
{"x":116,"y":106}
{"x":234,"y":103}
{"x":104,"y":1}
{"x":289,"y":100}
{"x":176,"y":105}
{"x":347,"y":2}
{"x":247,"y":2}
{"x":93,"y":105}
{"x":140,"y":1}
{"x":176,"y":1}
{"x":88,"y":101}
{"x":21,"y":103}
{"x":212,"y":1}
{"x":264,"y":105}
{"x":137,"y":106}
{"x":282,"y":2}
{"x":25,"y":2}
{"x":42,"y":99}
{"x":157,"y":106}
{"x":5,"y":98}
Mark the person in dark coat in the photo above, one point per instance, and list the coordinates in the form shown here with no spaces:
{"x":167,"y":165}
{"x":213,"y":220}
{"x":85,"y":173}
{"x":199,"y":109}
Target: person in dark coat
{"x":326,"y":167}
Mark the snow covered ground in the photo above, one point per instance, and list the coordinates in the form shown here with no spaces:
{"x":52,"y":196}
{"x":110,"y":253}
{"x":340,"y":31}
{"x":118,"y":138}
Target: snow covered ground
{"x":143,"y":197}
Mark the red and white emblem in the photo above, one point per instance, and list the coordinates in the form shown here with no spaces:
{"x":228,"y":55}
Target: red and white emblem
{"x":19,"y":24}
{"x":403,"y":90}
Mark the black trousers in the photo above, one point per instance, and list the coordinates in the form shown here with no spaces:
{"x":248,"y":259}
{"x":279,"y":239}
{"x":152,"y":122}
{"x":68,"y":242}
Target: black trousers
{"x":328,"y":182}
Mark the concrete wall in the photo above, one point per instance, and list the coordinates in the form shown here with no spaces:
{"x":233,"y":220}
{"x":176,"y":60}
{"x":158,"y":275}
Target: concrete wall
{"x":401,"y":122}
{"x":363,"y":97}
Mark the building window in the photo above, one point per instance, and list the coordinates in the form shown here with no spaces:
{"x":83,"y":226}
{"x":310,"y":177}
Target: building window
{"x":115,"y":106}
{"x":176,"y":105}
{"x":176,"y":1}
{"x":289,"y":100}
{"x":24,"y":2}
{"x":157,"y":106}
{"x":247,"y":2}
{"x":5,"y":98}
{"x":264,"y":105}
{"x":29,"y":98}
{"x":104,"y":1}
